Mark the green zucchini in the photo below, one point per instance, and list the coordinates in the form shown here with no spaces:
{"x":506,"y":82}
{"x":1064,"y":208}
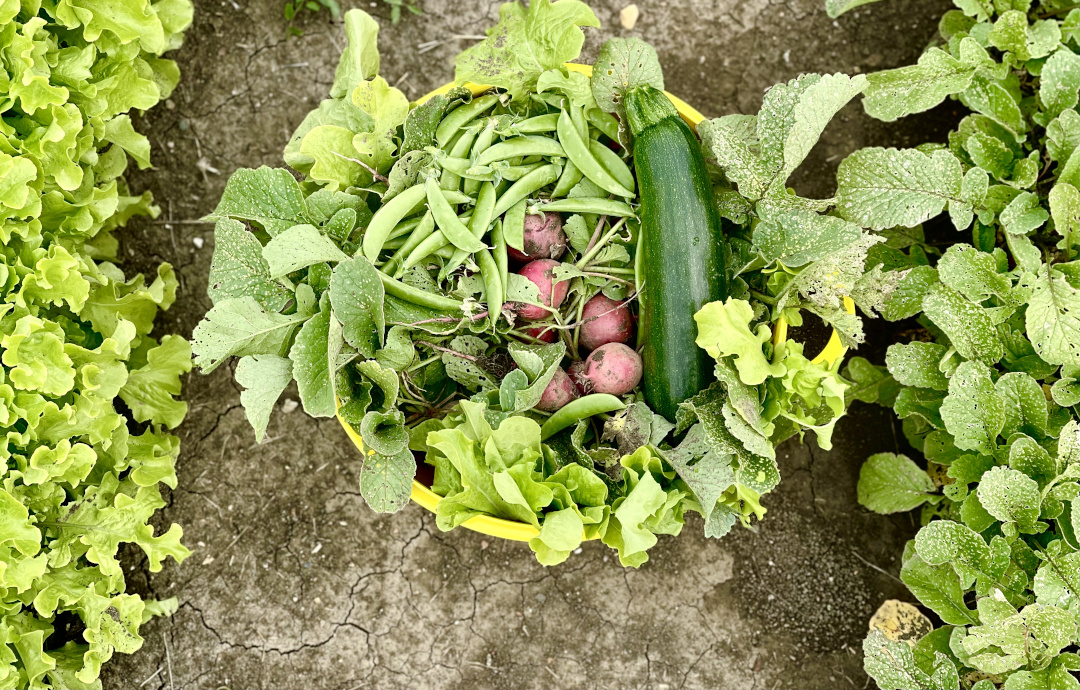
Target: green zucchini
{"x":682,"y":242}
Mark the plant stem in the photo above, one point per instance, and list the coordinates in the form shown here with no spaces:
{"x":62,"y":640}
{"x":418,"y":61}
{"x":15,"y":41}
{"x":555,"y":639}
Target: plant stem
{"x":591,"y":254}
{"x":613,"y":270}
{"x":440,"y":348}
{"x":423,"y":363}
{"x":596,"y":233}
{"x":764,"y":298}
{"x":597,"y":274}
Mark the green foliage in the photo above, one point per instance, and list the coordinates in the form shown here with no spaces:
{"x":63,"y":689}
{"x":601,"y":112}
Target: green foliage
{"x":295,"y":299}
{"x":800,"y":255}
{"x":525,"y":43}
{"x":87,"y":396}
{"x":980,"y":400}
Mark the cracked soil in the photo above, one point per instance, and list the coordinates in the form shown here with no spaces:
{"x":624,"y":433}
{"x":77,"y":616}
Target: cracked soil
{"x":294,"y":583}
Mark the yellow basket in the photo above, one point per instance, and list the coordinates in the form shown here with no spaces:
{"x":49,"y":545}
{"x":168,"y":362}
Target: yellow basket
{"x":519,"y":531}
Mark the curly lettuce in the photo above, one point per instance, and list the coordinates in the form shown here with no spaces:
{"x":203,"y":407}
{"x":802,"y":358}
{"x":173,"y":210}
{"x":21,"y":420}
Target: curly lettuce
{"x":87,"y":395}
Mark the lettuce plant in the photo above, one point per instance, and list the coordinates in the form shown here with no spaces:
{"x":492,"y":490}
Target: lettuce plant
{"x":990,"y":393}
{"x":87,"y":395}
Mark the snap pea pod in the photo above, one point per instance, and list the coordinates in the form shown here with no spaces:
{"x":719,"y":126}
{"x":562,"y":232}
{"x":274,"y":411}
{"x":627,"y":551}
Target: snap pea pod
{"x":428,"y":245}
{"x":463,"y":167}
{"x":455,"y":197}
{"x":449,"y":180}
{"x":445,"y":217}
{"x":586,"y":204}
{"x":516,"y":172}
{"x":530,"y":184}
{"x":527,"y":145}
{"x":513,"y":226}
{"x":416,"y":296}
{"x":570,"y":177}
{"x":478,"y":225}
{"x":577,"y":116}
{"x":423,"y":230}
{"x":502,"y":259}
{"x":386,"y":219}
{"x":404,"y":228}
{"x":605,"y":122}
{"x":431,"y":244}
{"x":493,"y":287}
{"x":579,"y":154}
{"x":484,"y":140}
{"x":576,"y":410}
{"x":461,"y":116}
{"x":613,"y":164}
{"x":539,"y":123}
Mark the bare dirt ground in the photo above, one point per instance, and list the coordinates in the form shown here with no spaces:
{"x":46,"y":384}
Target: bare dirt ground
{"x":295,"y":583}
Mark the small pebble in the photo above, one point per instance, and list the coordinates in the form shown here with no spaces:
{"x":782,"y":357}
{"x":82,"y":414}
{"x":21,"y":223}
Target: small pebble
{"x":289,"y":405}
{"x":629,"y":16}
{"x":198,"y":242}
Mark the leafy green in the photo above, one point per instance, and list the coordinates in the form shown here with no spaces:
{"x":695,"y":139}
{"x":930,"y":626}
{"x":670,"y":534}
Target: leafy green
{"x":891,"y":483}
{"x":882,"y":188}
{"x":357,"y":296}
{"x":87,"y":395}
{"x":264,"y":377}
{"x":621,"y":65}
{"x":1053,"y":318}
{"x":892,"y":665}
{"x":239,"y":327}
{"x":993,"y":397}
{"x":896,"y":93}
{"x":525,"y":43}
{"x":724,"y":329}
{"x":791,"y":120}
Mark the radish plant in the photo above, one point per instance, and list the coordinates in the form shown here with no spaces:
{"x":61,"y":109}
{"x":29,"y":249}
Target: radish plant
{"x":989,"y":392}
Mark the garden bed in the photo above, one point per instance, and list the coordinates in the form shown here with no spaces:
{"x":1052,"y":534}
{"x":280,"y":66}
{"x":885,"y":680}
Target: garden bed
{"x":293,"y":581}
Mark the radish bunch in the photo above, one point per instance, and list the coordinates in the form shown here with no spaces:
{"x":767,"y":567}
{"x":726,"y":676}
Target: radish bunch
{"x":606,"y":325}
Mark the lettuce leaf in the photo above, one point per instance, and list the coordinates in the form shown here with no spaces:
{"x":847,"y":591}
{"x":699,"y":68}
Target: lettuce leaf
{"x":525,"y":43}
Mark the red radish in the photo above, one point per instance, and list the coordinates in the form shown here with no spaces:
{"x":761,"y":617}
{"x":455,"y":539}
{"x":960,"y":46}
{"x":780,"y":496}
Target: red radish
{"x":605,"y":321}
{"x":545,"y":334}
{"x":559,"y":391}
{"x":613,"y":368}
{"x":544,"y":238}
{"x":577,"y":375}
{"x":542,"y":273}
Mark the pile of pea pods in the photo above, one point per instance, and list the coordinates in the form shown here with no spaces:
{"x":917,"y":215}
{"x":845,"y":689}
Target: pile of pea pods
{"x":491,"y":168}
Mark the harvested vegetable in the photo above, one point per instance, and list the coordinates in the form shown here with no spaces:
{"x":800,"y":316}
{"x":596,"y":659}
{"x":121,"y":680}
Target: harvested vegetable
{"x":560,"y":390}
{"x":541,"y":273}
{"x":381,"y":283}
{"x":682,"y":258}
{"x":603,"y":321}
{"x":543,"y":238}
{"x":613,"y":368}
